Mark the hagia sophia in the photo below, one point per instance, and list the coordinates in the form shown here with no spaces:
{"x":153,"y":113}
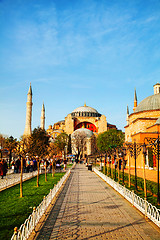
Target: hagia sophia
{"x":82,"y":119}
{"x":143,"y":122}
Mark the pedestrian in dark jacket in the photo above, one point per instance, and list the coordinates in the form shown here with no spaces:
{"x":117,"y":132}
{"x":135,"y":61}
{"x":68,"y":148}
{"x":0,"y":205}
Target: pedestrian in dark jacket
{"x":3,"y":168}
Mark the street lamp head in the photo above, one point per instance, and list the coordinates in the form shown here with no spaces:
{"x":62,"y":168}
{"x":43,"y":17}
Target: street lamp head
{"x":144,"y":149}
{"x":120,"y":154}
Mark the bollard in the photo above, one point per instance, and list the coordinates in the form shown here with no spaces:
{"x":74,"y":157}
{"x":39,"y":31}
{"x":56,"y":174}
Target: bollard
{"x":133,"y":197}
{"x":15,"y":233}
{"x":145,"y":205}
{"x":44,"y":202}
{"x":34,"y":217}
{"x":124,"y":191}
{"x":51,"y":193}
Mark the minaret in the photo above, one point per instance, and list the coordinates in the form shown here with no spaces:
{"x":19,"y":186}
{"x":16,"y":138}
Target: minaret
{"x":127,"y":119}
{"x":135,"y":100}
{"x":27,"y":130}
{"x":43,"y":117}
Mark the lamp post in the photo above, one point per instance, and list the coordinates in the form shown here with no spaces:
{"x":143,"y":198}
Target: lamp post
{"x":144,"y":175}
{"x":122,"y":154}
{"x":105,"y":163}
{"x":134,"y":149}
{"x":108,"y":164}
{"x":154,"y":143}
{"x":115,"y":165}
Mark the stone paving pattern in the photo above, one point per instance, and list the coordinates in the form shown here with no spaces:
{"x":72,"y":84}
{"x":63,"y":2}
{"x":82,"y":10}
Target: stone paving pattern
{"x":88,"y":208}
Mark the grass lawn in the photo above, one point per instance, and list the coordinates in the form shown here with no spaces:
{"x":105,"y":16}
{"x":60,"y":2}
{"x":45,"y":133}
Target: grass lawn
{"x":14,"y":210}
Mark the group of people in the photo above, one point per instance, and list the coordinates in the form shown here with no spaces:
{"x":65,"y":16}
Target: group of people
{"x":3,"y":168}
{"x":30,"y":165}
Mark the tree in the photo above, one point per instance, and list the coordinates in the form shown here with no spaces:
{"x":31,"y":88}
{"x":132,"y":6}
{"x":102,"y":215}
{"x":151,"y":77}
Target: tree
{"x":78,"y":143}
{"x":22,"y":150}
{"x":61,"y":142}
{"x":38,"y":146}
{"x":10,"y":144}
{"x":2,"y":142}
{"x":109,"y":141}
{"x":52,"y":152}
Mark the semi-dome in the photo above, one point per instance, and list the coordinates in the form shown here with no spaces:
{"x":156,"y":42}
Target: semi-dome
{"x":85,"y":111}
{"x":149,"y":103}
{"x":84,"y":131}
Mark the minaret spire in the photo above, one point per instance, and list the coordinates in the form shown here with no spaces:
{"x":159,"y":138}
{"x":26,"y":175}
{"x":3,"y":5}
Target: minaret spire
{"x":135,"y":100}
{"x":127,"y":119}
{"x":27,"y":130}
{"x":43,"y":117}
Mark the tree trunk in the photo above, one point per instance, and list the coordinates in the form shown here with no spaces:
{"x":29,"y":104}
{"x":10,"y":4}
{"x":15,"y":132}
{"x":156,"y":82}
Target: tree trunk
{"x":38,"y":174}
{"x":53,"y":169}
{"x":21,"y":176}
{"x":45,"y":171}
{"x":118,"y":168}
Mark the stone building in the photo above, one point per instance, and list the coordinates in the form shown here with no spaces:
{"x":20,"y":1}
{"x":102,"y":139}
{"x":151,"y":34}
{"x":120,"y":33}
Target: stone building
{"x":144,"y":122}
{"x":83,"y":117}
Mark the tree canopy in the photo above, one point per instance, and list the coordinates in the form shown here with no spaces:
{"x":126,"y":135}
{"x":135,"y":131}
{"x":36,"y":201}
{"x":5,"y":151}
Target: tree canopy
{"x":109,"y":140}
{"x":38,"y":143}
{"x":61,"y":141}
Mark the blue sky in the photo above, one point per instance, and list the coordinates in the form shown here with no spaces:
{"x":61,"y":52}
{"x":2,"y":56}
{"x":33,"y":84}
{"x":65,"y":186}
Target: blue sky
{"x":76,"y":51}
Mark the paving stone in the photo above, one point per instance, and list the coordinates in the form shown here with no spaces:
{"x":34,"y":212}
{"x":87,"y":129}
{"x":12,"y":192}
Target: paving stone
{"x":88,"y":208}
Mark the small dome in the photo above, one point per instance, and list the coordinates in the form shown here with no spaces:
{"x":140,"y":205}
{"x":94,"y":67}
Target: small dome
{"x":84,"y":131}
{"x":149,"y":103}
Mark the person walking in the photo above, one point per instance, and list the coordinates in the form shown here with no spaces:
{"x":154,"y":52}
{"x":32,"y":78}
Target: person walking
{"x":3,"y":168}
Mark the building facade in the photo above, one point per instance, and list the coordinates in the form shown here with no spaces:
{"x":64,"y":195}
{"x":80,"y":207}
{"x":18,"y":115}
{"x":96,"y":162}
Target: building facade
{"x":83,"y":117}
{"x":144,"y":123}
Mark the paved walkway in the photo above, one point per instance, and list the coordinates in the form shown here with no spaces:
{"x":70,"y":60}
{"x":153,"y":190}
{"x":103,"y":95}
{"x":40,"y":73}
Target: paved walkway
{"x":88,"y":208}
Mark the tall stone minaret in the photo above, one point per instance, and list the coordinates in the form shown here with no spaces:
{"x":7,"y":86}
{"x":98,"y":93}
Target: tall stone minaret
{"x":127,"y":119}
{"x":28,"y":130}
{"x":43,"y":117}
{"x":135,"y":100}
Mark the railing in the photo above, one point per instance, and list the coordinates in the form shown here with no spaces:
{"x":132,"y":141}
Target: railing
{"x":30,"y":223}
{"x":12,"y":179}
{"x":142,"y":205}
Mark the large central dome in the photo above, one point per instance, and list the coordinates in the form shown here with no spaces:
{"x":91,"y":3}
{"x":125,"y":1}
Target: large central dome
{"x":149,"y":103}
{"x":85,"y":111}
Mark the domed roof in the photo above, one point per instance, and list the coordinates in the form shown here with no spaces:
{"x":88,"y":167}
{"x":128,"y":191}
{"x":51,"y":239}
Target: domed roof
{"x":149,"y":103}
{"x":84,"y":131}
{"x":85,"y":109}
